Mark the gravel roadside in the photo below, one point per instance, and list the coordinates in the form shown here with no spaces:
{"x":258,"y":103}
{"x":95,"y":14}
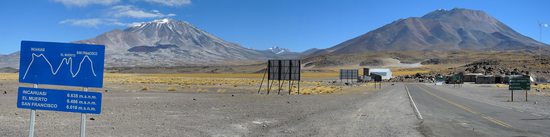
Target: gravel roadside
{"x":364,"y":112}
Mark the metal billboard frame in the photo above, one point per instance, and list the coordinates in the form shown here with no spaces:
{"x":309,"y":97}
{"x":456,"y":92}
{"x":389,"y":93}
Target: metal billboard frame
{"x":349,"y":74}
{"x":288,"y":70}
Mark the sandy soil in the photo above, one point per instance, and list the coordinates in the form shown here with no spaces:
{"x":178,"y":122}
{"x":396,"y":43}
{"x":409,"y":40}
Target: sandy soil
{"x":361,"y":111}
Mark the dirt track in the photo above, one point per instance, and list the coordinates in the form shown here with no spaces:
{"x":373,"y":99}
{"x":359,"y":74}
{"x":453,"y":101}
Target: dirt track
{"x":362,"y":112}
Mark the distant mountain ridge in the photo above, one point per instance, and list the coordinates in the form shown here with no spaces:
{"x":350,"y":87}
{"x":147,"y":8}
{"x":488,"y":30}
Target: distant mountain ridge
{"x":278,"y":50}
{"x":440,"y":30}
{"x":10,"y":61}
{"x":168,"y":42}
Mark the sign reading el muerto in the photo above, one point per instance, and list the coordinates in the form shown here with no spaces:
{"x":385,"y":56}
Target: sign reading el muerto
{"x":59,"y":100}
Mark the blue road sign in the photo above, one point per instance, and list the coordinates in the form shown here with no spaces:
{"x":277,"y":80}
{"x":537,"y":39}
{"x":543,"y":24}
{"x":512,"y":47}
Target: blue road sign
{"x":59,"y":100}
{"x":64,"y":64}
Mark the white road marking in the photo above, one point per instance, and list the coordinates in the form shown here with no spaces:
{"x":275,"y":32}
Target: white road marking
{"x":413,"y":104}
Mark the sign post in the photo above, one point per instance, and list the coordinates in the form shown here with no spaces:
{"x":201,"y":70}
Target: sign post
{"x":457,"y":80}
{"x":377,"y":78}
{"x":83,"y":121}
{"x":64,"y":64}
{"x":519,"y":83}
{"x":33,"y":117}
{"x":59,"y":100}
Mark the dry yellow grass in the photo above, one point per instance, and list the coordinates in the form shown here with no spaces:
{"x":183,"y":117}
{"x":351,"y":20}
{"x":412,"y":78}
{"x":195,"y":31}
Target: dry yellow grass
{"x":194,"y":75}
{"x":541,"y":86}
{"x":117,"y":77}
{"x":319,"y":90}
{"x":202,"y":90}
{"x":370,"y":84}
{"x":501,"y":86}
{"x":408,"y":72}
{"x":9,"y":76}
{"x":201,"y":82}
{"x":144,"y":88}
{"x":320,"y":75}
{"x":423,"y":69}
{"x":218,"y":75}
{"x":396,"y":71}
{"x":171,"y":88}
{"x":221,"y":90}
{"x":234,"y":80}
{"x":181,"y":80}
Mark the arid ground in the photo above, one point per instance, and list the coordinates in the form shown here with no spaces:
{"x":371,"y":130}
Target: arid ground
{"x":208,"y":104}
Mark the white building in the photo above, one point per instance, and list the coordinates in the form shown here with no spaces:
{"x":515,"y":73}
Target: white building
{"x":384,"y":72}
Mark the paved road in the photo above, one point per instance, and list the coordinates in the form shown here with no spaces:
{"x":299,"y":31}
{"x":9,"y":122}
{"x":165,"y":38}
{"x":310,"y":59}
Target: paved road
{"x":446,"y":114}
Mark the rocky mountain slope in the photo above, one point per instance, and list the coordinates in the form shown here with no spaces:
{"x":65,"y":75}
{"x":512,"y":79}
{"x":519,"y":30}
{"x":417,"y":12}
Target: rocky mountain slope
{"x":440,"y":30}
{"x":168,"y":42}
{"x":9,"y":61}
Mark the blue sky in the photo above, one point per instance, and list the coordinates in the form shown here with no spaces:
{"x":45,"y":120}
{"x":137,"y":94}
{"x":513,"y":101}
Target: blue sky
{"x":260,"y":24}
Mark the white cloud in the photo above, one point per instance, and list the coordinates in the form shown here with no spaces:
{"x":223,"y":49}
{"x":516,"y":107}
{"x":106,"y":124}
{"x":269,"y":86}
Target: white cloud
{"x":83,"y":3}
{"x":171,"y":2}
{"x":92,"y":22}
{"x":134,"y":12}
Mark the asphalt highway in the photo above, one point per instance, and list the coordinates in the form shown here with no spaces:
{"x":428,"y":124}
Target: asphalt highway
{"x":446,"y":114}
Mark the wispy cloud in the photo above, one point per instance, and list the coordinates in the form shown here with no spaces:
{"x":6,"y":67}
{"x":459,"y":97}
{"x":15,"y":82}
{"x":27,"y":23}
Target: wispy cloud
{"x":133,"y":24}
{"x":134,"y":12}
{"x":84,"y":3}
{"x":171,"y":2}
{"x":92,"y":22}
{"x":117,"y":11}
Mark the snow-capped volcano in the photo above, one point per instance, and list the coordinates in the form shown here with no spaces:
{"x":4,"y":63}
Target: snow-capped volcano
{"x":278,"y":50}
{"x":169,"y":42}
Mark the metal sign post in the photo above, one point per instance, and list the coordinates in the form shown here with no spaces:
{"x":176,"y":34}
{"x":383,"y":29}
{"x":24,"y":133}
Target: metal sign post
{"x":282,"y":71}
{"x":33,"y":117}
{"x":519,"y":83}
{"x":377,"y":78}
{"x":83,"y":120}
{"x":31,"y":127}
